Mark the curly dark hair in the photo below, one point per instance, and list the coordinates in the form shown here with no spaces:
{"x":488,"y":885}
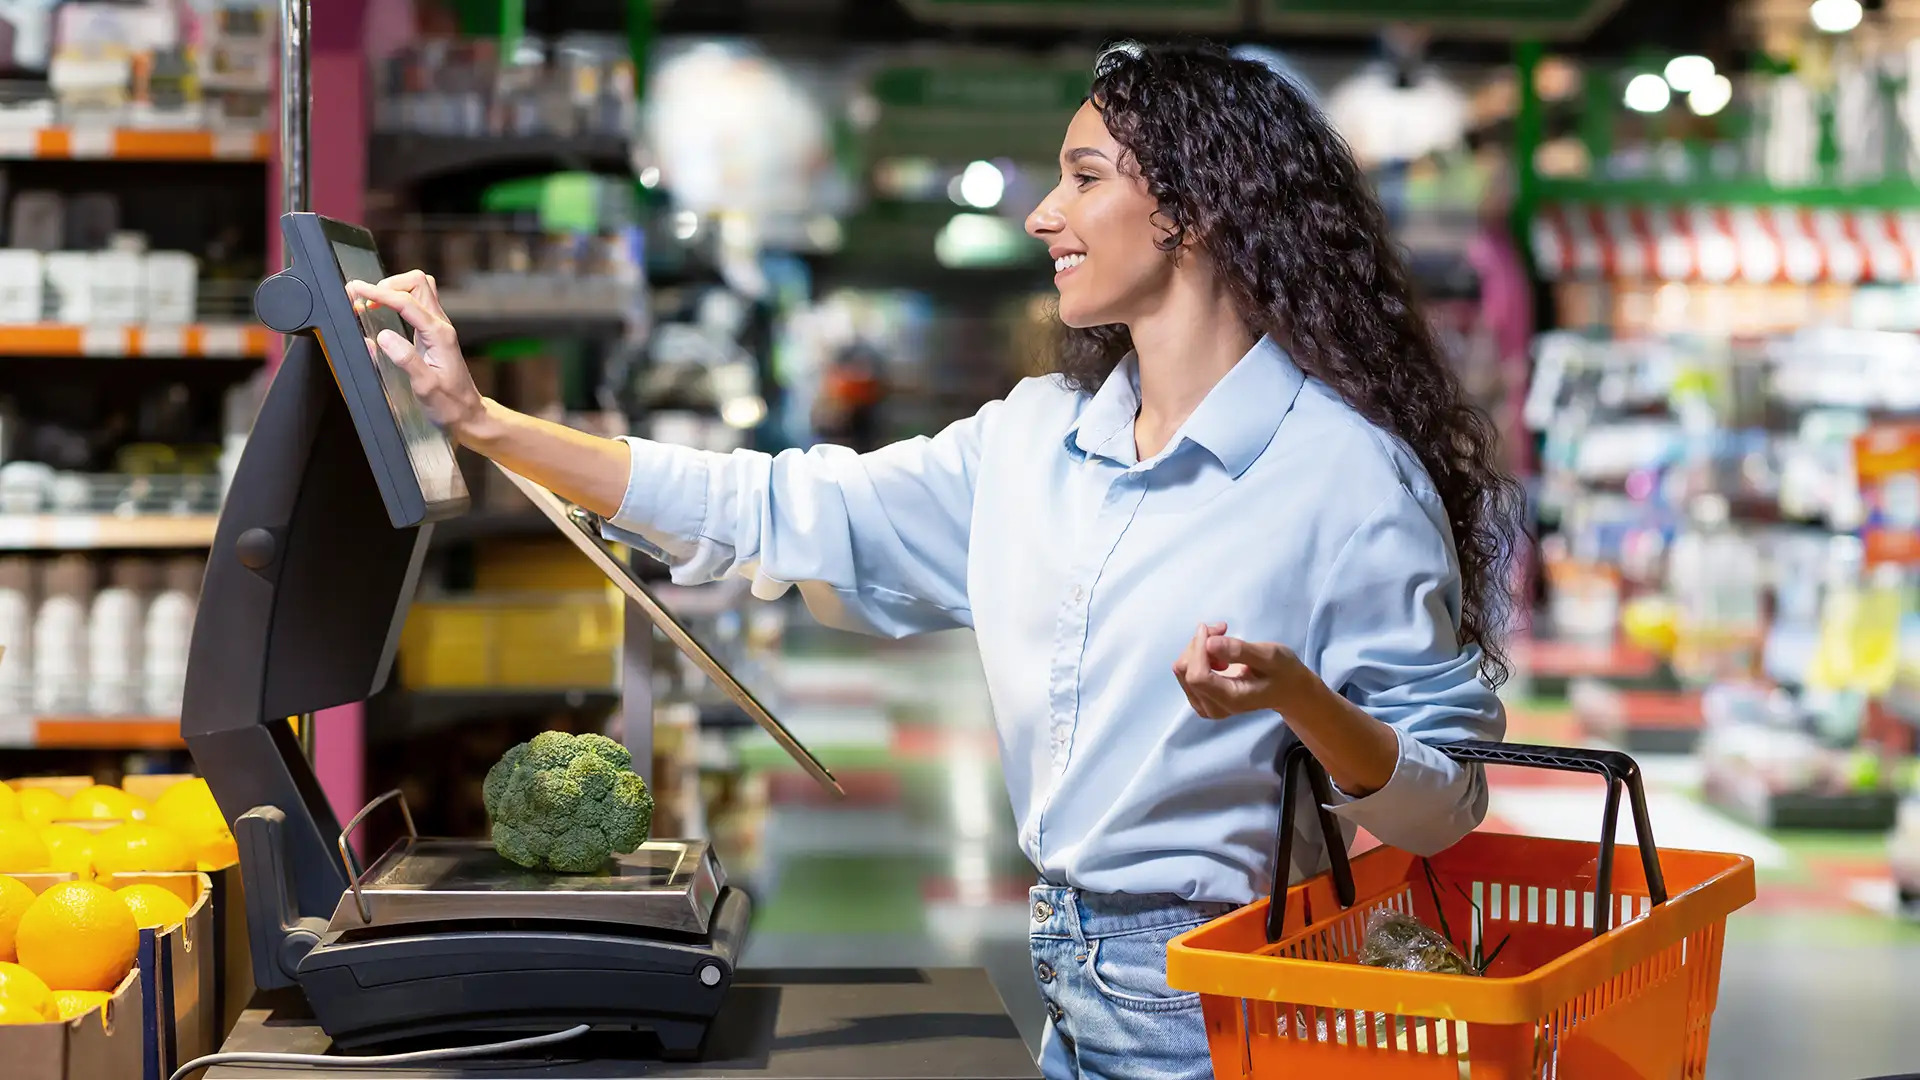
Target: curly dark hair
{"x":1245,"y":165}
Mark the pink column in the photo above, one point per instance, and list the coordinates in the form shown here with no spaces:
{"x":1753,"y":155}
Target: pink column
{"x":337,"y":80}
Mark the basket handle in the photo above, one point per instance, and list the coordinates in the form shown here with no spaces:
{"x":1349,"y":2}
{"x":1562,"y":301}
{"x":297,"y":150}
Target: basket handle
{"x":1618,"y":769}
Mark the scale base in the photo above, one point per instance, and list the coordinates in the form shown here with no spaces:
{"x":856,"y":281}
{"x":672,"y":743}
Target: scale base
{"x":522,"y":975}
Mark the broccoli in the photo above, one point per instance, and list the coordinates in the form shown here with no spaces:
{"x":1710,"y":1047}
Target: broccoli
{"x":566,"y":802}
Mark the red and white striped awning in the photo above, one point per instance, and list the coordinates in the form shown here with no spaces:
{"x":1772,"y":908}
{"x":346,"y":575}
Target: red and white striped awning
{"x":1715,"y":244}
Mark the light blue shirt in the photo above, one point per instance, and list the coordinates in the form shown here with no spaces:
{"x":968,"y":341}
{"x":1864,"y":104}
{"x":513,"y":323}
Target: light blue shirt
{"x":1084,"y":572}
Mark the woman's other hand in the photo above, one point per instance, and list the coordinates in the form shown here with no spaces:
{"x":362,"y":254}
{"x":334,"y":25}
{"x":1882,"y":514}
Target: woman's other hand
{"x":432,"y":361}
{"x":1225,"y":676}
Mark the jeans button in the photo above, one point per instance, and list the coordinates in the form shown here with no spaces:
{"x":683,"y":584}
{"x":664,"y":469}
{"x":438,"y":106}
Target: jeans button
{"x":1042,"y":911}
{"x":1053,"y":1012}
{"x":1044,"y":970}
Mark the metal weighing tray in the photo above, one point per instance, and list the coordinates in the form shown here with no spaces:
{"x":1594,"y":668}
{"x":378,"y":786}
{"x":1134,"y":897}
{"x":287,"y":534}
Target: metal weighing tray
{"x":667,"y":885}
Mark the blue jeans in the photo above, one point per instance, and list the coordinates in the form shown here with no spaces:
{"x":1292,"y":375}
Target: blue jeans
{"x":1101,"y":964}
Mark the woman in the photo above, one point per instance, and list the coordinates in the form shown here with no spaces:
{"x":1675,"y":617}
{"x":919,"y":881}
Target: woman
{"x":1252,"y":465}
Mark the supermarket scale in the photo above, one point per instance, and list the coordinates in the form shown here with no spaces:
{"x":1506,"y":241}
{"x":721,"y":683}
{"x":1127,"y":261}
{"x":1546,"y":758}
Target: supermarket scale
{"x":316,"y":557}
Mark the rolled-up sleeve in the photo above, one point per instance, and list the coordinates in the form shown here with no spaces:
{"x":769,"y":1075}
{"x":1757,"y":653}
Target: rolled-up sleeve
{"x":1384,"y":634}
{"x":876,"y":542}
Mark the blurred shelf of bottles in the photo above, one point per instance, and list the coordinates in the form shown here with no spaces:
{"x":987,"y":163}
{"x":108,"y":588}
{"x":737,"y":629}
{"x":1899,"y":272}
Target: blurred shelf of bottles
{"x":100,"y":68}
{"x":93,"y":638}
{"x":570,"y":86}
{"x":1829,"y":117}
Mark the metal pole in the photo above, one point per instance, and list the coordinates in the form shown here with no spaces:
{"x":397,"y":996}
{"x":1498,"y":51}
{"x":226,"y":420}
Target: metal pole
{"x":295,"y":105}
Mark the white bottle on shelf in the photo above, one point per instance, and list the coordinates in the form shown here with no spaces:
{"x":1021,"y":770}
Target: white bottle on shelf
{"x":116,"y":633}
{"x":169,"y":631}
{"x":16,"y":637}
{"x":60,"y":639}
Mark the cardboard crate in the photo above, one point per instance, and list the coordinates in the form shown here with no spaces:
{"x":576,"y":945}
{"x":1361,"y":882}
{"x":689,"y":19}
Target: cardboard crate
{"x":110,"y":1042}
{"x":182,"y":997}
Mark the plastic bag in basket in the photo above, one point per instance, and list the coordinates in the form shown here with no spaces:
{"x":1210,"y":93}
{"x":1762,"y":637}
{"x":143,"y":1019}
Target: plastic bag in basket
{"x":1401,"y":942}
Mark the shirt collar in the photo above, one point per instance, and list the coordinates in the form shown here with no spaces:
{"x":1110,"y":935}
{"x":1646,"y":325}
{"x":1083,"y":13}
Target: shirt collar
{"x":1234,"y":422}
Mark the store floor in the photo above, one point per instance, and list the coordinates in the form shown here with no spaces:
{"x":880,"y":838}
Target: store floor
{"x":919,"y":867}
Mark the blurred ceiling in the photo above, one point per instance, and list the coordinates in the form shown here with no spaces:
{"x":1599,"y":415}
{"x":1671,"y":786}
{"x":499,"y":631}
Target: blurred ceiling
{"x":1654,"y":25}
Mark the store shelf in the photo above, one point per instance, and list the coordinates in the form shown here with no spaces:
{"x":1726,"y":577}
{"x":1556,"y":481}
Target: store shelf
{"x":93,"y":733}
{"x":133,"y":144}
{"x":403,"y":159}
{"x":1639,"y":721}
{"x":490,"y":316}
{"x":236,"y":341}
{"x":89,"y":532}
{"x":402,"y":714}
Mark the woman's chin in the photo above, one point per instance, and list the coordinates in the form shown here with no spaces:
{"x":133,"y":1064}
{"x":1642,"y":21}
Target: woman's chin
{"x":1080,"y":317}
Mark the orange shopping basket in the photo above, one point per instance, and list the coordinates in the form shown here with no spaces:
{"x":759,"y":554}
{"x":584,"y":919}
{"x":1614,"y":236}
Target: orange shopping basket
{"x":1618,"y":989}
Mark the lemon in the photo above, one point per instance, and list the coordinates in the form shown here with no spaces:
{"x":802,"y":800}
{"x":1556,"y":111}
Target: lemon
{"x":9,"y":804}
{"x":188,"y":810}
{"x":153,"y":907}
{"x":21,"y":851}
{"x":24,"y":988}
{"x":103,"y":803}
{"x":69,"y":849}
{"x":12,"y":1012}
{"x":139,"y":848}
{"x":14,"y":900}
{"x":39,"y":806}
{"x":78,"y":936}
{"x":72,"y":1003}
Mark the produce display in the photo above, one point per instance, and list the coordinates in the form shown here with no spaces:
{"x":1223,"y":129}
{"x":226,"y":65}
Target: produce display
{"x":65,"y":950}
{"x":566,"y":803}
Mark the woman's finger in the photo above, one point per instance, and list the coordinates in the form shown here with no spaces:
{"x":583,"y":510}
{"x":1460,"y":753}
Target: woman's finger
{"x":401,"y":301}
{"x":1257,"y":656}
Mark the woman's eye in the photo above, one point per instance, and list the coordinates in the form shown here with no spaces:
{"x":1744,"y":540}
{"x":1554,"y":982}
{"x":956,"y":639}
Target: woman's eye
{"x":1083,"y":179}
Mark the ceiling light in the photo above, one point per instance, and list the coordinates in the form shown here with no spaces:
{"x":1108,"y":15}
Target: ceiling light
{"x":982,"y":184}
{"x":1648,"y":94}
{"x":1835,"y":16}
{"x":1687,"y":73}
{"x":1711,"y":96}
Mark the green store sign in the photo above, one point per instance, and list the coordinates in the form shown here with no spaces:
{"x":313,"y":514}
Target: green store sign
{"x":983,"y":110}
{"x":1126,"y":14}
{"x":1477,"y":17}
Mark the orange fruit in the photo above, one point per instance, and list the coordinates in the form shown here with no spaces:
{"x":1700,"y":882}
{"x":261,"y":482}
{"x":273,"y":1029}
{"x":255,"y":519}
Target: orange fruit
{"x":187,"y":810}
{"x":23,"y":987}
{"x":39,"y":806}
{"x":139,"y":848}
{"x":21,"y":851}
{"x":14,"y":900}
{"x":12,"y":1012}
{"x":69,"y":849}
{"x":153,"y":906}
{"x":103,"y":803}
{"x":72,"y":1003}
{"x":9,"y":804}
{"x":78,"y":936}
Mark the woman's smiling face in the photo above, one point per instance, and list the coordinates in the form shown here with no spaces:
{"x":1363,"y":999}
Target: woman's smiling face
{"x":1098,"y":225}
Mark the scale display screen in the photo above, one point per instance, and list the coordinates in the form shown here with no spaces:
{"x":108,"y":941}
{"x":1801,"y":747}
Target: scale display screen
{"x":583,"y":529}
{"x":429,"y":450}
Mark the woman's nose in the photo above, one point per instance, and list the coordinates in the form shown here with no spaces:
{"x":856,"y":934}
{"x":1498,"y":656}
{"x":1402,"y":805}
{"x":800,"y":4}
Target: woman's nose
{"x":1045,"y":219}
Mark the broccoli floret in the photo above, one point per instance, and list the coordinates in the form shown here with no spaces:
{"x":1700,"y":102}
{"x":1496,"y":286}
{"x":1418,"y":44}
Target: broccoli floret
{"x":566,"y":802}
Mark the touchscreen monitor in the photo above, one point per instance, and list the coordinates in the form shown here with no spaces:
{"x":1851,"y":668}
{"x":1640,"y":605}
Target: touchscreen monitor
{"x":583,"y":529}
{"x":429,"y":450}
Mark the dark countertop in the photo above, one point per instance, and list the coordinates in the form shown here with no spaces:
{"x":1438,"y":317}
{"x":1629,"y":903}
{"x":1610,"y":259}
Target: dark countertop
{"x":796,"y":1024}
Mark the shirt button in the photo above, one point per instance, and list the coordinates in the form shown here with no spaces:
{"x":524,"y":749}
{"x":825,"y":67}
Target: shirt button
{"x":1078,"y":593}
{"x":1044,"y":970}
{"x":1054,"y":1013}
{"x":1042,"y":911}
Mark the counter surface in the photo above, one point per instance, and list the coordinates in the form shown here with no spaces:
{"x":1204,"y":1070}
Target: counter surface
{"x":796,"y":1024}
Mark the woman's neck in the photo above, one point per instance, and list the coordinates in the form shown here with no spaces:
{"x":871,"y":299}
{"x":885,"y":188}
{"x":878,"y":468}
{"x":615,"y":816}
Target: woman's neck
{"x":1183,"y":350}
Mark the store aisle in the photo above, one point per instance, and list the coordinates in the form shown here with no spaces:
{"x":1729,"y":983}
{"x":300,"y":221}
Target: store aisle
{"x":919,"y":866}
